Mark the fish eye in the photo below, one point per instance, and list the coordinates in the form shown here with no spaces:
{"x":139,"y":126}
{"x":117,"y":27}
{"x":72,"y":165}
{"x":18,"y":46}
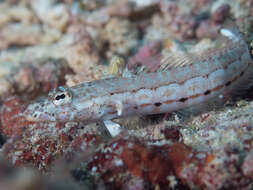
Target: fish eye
{"x":62,"y":98}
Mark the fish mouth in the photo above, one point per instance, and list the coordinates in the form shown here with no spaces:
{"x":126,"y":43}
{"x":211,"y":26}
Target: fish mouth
{"x":28,"y":115}
{"x":30,"y":118}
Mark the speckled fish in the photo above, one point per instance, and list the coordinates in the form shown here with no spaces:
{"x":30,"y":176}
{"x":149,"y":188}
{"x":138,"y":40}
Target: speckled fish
{"x":187,"y":82}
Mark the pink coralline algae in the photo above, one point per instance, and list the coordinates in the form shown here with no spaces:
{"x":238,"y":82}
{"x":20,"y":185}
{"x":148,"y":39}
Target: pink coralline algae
{"x":210,"y":27}
{"x":45,"y":75}
{"x":35,"y":77}
{"x":195,"y":20}
{"x":220,"y":14}
{"x":149,"y":55}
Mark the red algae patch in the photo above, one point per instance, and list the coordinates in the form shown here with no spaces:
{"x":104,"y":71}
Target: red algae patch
{"x":41,"y":144}
{"x":124,"y":161}
{"x":168,"y":165}
{"x":12,"y":121}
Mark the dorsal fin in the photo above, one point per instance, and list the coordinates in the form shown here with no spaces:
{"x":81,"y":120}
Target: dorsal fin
{"x":222,"y":45}
{"x":186,"y":59}
{"x":177,"y":60}
{"x":228,"y":37}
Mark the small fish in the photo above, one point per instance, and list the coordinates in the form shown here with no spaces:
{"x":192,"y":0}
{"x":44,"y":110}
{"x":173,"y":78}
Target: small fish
{"x":185,"y":83}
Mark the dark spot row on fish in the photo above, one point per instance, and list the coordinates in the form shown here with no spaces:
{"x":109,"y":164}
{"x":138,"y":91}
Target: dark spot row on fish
{"x":184,"y":99}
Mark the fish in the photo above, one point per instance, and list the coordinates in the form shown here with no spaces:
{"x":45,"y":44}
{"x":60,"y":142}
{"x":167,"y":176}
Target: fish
{"x":186,"y":82}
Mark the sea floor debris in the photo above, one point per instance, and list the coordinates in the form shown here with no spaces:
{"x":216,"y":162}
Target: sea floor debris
{"x":47,"y":43}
